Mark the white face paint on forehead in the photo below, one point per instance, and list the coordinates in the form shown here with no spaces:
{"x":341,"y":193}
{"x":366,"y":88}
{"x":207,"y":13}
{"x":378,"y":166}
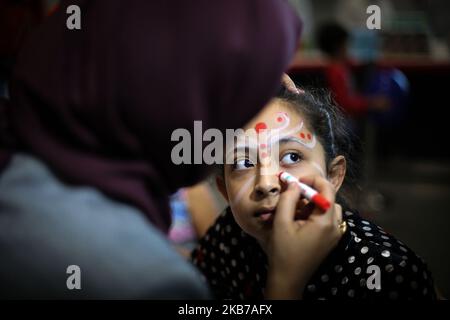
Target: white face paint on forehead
{"x":283,"y":120}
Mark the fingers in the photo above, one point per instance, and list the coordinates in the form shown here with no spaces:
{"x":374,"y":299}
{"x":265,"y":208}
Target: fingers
{"x":290,"y":204}
{"x":321,"y":185}
{"x":328,"y":222}
{"x":305,"y":210}
{"x":288,"y":83}
{"x":287,"y":205}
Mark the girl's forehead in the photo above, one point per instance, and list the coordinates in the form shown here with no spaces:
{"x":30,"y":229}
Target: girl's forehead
{"x":279,"y":122}
{"x":276,"y":114}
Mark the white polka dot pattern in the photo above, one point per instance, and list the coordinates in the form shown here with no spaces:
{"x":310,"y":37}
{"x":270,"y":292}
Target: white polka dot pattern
{"x":236,"y":267}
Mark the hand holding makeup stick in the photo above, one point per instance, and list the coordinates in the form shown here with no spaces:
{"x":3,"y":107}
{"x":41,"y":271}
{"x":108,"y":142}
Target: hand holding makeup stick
{"x":297,"y":247}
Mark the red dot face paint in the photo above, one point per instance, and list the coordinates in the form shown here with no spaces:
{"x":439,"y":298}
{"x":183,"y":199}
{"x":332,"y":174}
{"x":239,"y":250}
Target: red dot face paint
{"x":302,"y":135}
{"x":260,"y":126}
{"x":309,"y":136}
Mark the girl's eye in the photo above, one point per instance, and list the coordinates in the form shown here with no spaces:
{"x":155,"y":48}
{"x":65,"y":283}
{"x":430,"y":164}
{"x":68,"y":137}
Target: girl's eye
{"x":243,"y":164}
{"x":290,"y":158}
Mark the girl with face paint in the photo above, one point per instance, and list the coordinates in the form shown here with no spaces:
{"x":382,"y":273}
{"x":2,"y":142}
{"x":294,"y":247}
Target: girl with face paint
{"x":272,"y":243}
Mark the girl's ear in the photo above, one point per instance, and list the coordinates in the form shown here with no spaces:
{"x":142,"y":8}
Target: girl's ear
{"x":336,"y":172}
{"x":221,"y":187}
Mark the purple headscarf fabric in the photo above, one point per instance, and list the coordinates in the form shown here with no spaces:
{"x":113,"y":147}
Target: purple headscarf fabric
{"x":99,"y":105}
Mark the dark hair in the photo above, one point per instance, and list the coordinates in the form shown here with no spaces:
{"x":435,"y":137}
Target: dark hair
{"x":331,"y":37}
{"x":326,"y":120}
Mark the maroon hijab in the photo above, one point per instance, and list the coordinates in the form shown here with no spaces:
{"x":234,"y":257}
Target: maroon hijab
{"x":99,"y":105}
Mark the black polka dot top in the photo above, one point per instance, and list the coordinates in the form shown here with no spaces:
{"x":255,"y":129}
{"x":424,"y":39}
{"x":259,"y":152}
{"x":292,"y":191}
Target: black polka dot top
{"x":367,"y":264}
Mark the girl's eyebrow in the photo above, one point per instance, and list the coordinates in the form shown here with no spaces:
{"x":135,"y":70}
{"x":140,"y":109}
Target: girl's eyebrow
{"x":246,"y":148}
{"x":286,"y":134}
{"x":285,"y":140}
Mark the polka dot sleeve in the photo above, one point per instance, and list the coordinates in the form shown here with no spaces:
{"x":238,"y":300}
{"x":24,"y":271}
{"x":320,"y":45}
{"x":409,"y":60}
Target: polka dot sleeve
{"x":370,"y":264}
{"x":367,"y":264}
{"x":209,"y":257}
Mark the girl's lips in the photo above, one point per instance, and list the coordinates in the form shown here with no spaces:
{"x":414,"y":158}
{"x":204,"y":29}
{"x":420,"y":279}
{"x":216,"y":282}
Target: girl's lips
{"x":265,"y":214}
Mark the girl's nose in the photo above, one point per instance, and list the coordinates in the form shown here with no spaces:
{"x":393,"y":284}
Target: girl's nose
{"x":267,"y":185}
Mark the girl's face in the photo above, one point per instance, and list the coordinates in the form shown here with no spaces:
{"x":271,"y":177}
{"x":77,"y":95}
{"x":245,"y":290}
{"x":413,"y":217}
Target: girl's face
{"x":251,"y":185}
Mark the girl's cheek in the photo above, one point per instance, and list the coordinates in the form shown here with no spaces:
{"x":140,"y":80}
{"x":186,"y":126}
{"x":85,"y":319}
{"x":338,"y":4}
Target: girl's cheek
{"x":318,"y":168}
{"x":307,"y":168}
{"x":240,"y":189}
